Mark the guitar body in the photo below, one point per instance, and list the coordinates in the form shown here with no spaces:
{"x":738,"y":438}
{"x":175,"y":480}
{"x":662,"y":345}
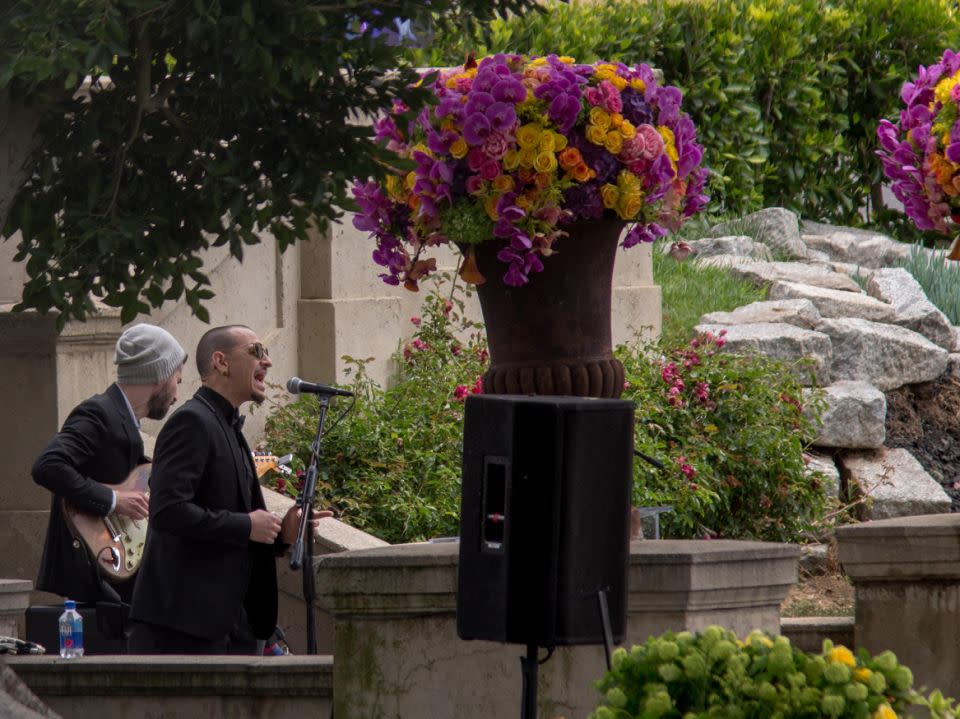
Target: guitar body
{"x":115,"y":543}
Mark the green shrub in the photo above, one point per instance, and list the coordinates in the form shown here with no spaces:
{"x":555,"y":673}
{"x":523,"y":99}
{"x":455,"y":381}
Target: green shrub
{"x":731,"y":432}
{"x":392,"y":465}
{"x":713,"y":674}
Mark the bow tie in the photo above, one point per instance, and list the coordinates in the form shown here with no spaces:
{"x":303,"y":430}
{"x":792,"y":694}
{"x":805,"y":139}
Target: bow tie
{"x":238,"y":421}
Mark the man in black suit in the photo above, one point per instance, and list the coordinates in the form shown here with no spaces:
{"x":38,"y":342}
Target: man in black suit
{"x":208,"y":581}
{"x":98,"y":446}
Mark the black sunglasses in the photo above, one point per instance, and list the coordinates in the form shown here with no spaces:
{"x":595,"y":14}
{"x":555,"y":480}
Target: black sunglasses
{"x":258,"y":350}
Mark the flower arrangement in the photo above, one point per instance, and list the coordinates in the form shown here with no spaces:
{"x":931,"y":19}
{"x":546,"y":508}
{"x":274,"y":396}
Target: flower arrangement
{"x":513,"y":148}
{"x":713,"y":674}
{"x":921,"y":153}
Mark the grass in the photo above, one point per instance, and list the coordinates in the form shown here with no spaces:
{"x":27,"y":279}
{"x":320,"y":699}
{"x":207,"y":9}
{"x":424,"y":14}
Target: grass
{"x":690,"y":291}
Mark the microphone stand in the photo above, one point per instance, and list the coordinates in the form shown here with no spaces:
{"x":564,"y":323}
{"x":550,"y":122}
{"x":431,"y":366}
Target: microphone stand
{"x":304,"y":544}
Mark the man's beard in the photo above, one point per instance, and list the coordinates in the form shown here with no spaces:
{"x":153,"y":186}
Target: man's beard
{"x":158,"y":404}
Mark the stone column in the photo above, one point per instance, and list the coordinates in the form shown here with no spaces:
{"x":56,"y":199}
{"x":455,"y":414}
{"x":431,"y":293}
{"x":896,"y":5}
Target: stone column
{"x":398,"y":654}
{"x":14,"y":600}
{"x":906,"y":576}
{"x":45,"y":376}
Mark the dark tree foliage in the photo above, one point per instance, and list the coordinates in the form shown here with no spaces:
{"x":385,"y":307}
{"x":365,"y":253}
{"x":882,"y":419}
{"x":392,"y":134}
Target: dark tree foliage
{"x":207,"y":122}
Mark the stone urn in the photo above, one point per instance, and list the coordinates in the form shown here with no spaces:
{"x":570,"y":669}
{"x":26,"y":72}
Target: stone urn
{"x":552,"y":335}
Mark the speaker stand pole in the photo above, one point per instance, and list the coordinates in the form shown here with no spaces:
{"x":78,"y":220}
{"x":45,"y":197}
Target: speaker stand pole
{"x":529,"y":666}
{"x":605,"y":624}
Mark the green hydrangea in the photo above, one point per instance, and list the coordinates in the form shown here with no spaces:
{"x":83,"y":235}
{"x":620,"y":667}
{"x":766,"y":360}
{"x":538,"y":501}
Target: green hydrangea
{"x":712,"y":675}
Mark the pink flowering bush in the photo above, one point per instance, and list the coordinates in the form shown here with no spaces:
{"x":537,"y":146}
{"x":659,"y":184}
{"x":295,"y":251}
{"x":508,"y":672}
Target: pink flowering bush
{"x":730,"y":432}
{"x":515,"y":148}
{"x":921,"y":151}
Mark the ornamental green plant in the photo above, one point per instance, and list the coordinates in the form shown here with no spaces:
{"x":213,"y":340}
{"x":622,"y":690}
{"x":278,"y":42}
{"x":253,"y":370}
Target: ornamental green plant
{"x":938,"y":277}
{"x":714,"y":674}
{"x":391,"y":466}
{"x":730,"y":431}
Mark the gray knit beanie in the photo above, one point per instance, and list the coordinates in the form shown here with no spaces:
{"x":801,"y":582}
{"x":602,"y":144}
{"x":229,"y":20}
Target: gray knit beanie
{"x":147,"y":354}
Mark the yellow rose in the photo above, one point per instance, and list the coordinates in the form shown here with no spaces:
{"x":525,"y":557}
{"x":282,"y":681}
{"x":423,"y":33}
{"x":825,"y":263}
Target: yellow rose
{"x":884,"y":712}
{"x":528,"y":135}
{"x":862,"y":674}
{"x":627,"y":130}
{"x":599,"y":117}
{"x":559,"y":141}
{"x":490,"y":206}
{"x":503,"y":183}
{"x":545,"y":162}
{"x":842,"y":655}
{"x":459,"y":148}
{"x":566,"y":59}
{"x":609,"y":194}
{"x":604,"y":71}
{"x":613,"y":142}
{"x":618,"y":82}
{"x":596,"y":135}
{"x":629,"y":206}
{"x":527,"y":156}
{"x":511,"y":160}
{"x":638,"y":84}
{"x":545,"y":144}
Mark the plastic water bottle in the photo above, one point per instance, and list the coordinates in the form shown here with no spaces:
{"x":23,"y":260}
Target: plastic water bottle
{"x":71,"y":631}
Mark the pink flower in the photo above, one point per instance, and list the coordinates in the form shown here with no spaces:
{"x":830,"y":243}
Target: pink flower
{"x":477,"y":386}
{"x":702,"y":392}
{"x":415,"y":321}
{"x":460,"y":393}
{"x":652,"y":142}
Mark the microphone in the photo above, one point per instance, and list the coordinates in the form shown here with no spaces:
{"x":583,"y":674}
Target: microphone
{"x":295,"y":385}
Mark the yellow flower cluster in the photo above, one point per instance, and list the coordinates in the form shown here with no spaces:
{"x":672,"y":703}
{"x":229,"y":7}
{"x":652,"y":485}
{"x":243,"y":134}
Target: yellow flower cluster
{"x":943,"y":89}
{"x":537,"y":148}
{"x":626,"y":197}
{"x":609,"y":129}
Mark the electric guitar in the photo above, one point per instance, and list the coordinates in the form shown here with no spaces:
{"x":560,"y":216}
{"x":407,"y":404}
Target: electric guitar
{"x":115,"y":542}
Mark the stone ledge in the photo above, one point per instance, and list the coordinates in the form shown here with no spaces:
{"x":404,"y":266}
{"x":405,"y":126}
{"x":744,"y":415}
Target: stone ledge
{"x":128,"y":675}
{"x":808,"y":633}
{"x":902,"y":549}
{"x":663,"y":576}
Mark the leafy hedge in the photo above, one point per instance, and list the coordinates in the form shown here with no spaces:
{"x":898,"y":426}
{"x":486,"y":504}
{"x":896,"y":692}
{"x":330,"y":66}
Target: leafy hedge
{"x":786,"y":96}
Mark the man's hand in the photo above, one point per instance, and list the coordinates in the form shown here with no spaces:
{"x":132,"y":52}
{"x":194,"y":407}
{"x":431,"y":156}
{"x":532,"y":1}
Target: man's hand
{"x":291,"y":523}
{"x":132,"y":504}
{"x":264,"y":526}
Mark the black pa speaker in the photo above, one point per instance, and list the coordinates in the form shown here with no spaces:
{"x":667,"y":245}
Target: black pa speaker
{"x":545,"y":518}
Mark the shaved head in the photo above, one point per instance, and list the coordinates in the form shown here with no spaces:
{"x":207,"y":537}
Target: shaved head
{"x":218,"y":339}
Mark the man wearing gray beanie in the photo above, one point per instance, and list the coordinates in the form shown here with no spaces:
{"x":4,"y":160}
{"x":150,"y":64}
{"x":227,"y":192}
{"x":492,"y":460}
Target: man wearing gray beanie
{"x":98,"y":446}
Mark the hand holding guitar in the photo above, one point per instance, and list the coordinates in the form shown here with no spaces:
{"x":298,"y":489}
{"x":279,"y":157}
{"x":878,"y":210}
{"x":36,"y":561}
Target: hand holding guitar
{"x":133,"y":504}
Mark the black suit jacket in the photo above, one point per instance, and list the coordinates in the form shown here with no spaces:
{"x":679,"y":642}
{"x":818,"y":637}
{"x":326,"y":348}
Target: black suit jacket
{"x":199,"y":566}
{"x":98,"y":445}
